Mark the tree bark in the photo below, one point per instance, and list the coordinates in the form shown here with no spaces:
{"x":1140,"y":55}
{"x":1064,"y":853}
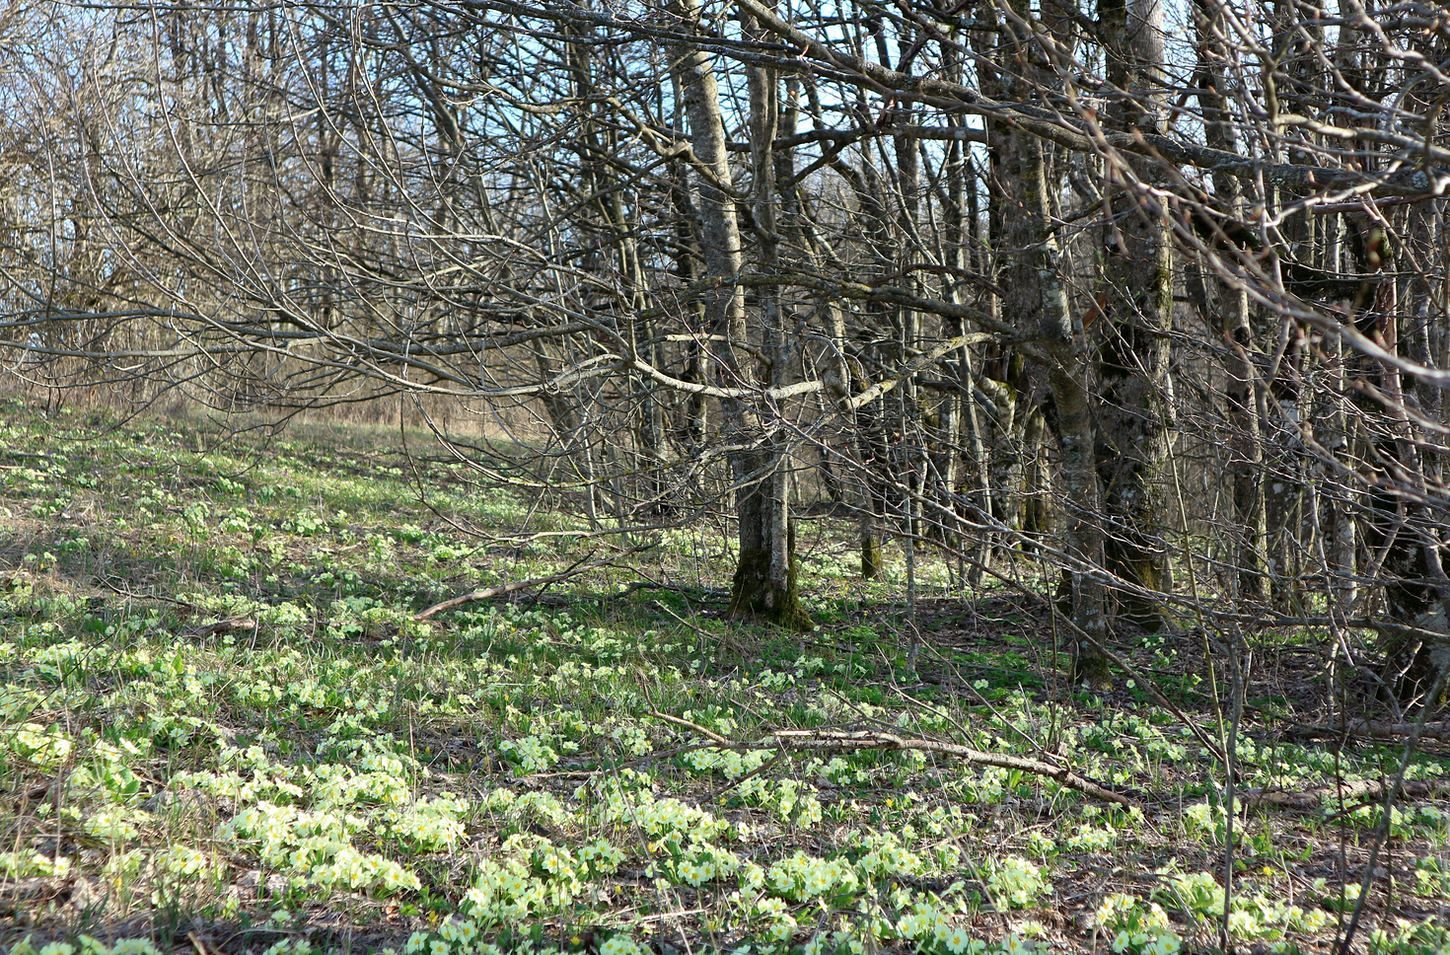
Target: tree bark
{"x":1035,"y":299}
{"x":1244,"y":391}
{"x":1138,"y":295}
{"x":765,"y":585}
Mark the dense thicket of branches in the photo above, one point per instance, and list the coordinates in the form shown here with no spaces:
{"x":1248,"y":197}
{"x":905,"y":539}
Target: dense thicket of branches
{"x":1148,"y":295}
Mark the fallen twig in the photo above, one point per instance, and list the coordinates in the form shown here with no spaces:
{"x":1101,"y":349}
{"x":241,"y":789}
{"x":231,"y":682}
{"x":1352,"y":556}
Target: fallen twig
{"x":684,"y":589}
{"x":110,"y":584}
{"x":1368,"y":729}
{"x":502,"y":590}
{"x":680,"y":721}
{"x":845,"y":741}
{"x":857,"y":740}
{"x":1365,"y":789}
{"x":1162,"y":700}
{"x":229,"y":625}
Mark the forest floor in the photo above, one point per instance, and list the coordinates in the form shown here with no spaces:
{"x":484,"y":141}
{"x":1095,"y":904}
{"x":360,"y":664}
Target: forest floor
{"x":222,"y":729}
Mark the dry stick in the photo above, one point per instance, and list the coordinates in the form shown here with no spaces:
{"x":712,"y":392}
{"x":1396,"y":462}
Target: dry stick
{"x":683,"y":589}
{"x":1012,"y":727}
{"x":205,"y":630}
{"x":1313,"y":797}
{"x":489,"y":593}
{"x":842,"y":741}
{"x":680,"y":721}
{"x":1230,"y":770}
{"x":857,"y":740}
{"x":1229,"y":754}
{"x":1371,"y":730}
{"x":109,"y":584}
{"x":1058,"y":616}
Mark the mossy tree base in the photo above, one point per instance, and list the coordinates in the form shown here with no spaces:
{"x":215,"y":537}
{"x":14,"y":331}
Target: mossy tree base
{"x":1142,"y":612}
{"x":1148,"y":573}
{"x":871,"y":559}
{"x":1413,"y":658}
{"x":754,"y":596}
{"x":1090,"y":668}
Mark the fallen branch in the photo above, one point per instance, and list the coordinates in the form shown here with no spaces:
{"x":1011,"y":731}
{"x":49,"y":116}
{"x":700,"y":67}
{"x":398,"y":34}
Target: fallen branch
{"x":685,"y":589}
{"x":703,"y":731}
{"x":503,"y":590}
{"x":1152,"y":687}
{"x":1363,"y":790}
{"x":229,"y":625}
{"x":853,"y":741}
{"x":1368,"y":729}
{"x":110,"y":584}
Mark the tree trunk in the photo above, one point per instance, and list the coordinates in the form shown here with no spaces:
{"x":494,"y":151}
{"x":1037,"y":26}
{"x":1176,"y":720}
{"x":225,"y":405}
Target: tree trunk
{"x":1244,"y":392}
{"x":1133,"y":363}
{"x":765,"y":585}
{"x":1035,"y":299}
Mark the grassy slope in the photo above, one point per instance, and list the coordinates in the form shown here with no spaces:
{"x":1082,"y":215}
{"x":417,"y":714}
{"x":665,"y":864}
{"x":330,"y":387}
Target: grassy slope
{"x":220,"y":729}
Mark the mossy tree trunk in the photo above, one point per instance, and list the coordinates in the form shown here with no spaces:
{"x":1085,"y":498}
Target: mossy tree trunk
{"x":1035,"y":299}
{"x":1138,"y":305}
{"x":1401,"y":532}
{"x":871,"y":559}
{"x":765,"y":585}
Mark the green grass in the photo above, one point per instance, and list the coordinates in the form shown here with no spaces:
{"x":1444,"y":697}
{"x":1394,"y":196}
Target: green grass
{"x":221,"y":729}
